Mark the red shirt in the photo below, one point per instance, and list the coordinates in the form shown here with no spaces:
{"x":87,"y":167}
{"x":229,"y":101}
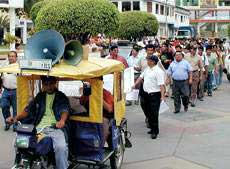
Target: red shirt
{"x":121,"y":59}
{"x":107,"y":96}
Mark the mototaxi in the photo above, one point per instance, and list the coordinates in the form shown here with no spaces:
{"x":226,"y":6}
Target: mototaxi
{"x":86,"y":144}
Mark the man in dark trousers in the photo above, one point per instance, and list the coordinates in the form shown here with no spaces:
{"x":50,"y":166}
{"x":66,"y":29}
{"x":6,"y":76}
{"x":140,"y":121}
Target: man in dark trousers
{"x":180,"y":71}
{"x":153,"y":85}
{"x":8,"y":82}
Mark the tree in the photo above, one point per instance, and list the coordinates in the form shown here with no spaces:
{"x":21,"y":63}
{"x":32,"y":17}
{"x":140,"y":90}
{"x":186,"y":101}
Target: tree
{"x":135,"y":25}
{"x":36,"y":8}
{"x":4,"y":19}
{"x":78,"y":18}
{"x":228,"y":31}
{"x":28,"y":5}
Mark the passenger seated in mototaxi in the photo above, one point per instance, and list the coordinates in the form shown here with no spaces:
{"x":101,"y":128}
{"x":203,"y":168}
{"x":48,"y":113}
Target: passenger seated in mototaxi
{"x":108,"y":110}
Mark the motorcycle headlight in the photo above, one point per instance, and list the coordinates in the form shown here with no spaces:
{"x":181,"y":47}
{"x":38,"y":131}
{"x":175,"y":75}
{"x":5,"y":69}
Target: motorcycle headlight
{"x":22,"y":141}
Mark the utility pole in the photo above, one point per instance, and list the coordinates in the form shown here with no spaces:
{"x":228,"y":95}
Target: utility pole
{"x":12,"y":25}
{"x":166,"y":19}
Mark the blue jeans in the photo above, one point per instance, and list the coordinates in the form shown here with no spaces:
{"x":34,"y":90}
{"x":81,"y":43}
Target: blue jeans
{"x":215,"y":81}
{"x":9,"y":98}
{"x":220,"y":75}
{"x":209,"y":82}
{"x":60,"y":147}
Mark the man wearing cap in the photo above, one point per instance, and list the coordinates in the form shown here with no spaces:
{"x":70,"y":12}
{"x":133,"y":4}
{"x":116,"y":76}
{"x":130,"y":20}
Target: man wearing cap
{"x":141,"y":66}
{"x":180,"y":71}
{"x":49,"y":107}
{"x":153,"y":85}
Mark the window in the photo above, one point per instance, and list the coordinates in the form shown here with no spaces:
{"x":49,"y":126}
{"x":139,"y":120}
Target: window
{"x":172,"y":11}
{"x":157,"y":9}
{"x":181,"y":18}
{"x":224,"y":3}
{"x":162,"y":10}
{"x":115,"y":3}
{"x":190,"y":2}
{"x":178,"y":3}
{"x":149,"y":7}
{"x":176,"y":17}
{"x":136,"y":5}
{"x":78,"y":94}
{"x":167,"y":11}
{"x":126,"y":6}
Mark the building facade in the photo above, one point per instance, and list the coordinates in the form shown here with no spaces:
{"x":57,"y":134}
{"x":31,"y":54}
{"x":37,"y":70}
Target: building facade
{"x":211,"y":17}
{"x":169,"y":16}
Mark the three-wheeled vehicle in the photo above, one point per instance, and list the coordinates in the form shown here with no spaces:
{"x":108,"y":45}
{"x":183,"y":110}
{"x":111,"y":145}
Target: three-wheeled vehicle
{"x":85,"y":138}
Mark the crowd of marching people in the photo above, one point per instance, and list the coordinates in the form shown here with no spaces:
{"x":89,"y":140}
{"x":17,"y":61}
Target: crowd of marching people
{"x":186,"y":70}
{"x":191,"y":69}
{"x":206,"y":58}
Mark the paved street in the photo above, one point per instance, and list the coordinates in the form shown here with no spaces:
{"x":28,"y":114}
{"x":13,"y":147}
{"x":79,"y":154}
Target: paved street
{"x":198,"y":139}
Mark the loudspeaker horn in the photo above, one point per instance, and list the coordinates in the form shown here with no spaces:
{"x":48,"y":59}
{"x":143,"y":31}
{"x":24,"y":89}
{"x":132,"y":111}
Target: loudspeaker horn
{"x":46,"y":44}
{"x":73,"y":52}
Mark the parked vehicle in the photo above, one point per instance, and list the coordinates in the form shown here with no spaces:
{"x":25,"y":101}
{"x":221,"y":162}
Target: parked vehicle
{"x":186,"y":32}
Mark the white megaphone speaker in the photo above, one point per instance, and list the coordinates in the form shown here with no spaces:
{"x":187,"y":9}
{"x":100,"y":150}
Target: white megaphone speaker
{"x":73,"y":52}
{"x":46,"y":44}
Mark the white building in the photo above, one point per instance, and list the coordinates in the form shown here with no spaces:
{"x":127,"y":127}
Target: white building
{"x":211,"y":17}
{"x":168,"y":15}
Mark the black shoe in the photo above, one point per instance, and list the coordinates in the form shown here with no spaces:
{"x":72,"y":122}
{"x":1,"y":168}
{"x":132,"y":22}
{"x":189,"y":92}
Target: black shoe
{"x":186,"y":109}
{"x":201,"y":99}
{"x":14,"y":128}
{"x":177,"y":111}
{"x":193,"y":105}
{"x":153,"y":136}
{"x":7,"y":127}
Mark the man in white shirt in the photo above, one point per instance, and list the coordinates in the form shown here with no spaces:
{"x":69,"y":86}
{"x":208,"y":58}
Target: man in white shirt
{"x":9,"y":84}
{"x":205,"y":62}
{"x":153,"y":85}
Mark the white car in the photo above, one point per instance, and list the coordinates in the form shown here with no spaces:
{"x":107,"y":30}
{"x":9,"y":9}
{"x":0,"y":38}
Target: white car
{"x":227,"y":66}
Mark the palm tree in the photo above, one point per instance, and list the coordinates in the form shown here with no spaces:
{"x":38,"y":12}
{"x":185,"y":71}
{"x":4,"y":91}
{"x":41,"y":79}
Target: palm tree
{"x":4,"y":21}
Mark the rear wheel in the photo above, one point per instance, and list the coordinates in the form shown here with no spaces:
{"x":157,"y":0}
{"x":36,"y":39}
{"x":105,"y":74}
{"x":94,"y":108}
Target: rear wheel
{"x":116,"y":159}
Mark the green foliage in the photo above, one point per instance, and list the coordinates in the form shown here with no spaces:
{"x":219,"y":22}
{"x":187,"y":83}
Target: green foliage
{"x":28,"y":5}
{"x":136,"y":24}
{"x":78,"y":18}
{"x":10,"y":38}
{"x":36,"y":8}
{"x":4,"y":19}
{"x":228,"y":31}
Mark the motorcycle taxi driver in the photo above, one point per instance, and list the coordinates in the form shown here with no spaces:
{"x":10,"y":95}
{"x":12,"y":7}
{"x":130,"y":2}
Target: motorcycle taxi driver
{"x":49,"y":107}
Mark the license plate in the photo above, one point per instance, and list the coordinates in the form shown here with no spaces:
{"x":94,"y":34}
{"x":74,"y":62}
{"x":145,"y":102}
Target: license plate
{"x":22,"y":141}
{"x":39,"y":64}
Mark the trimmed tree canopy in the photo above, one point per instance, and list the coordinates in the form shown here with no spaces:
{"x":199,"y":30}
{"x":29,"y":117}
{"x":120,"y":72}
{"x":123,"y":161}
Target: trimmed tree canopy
{"x":78,"y":18}
{"x":136,"y":24}
{"x":36,"y":8}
